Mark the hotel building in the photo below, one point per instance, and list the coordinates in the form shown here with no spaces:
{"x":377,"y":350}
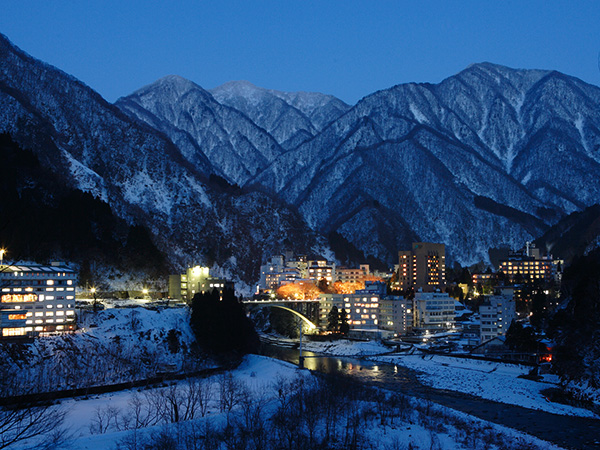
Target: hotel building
{"x":528,"y":266}
{"x":423,"y":267}
{"x":36,"y":299}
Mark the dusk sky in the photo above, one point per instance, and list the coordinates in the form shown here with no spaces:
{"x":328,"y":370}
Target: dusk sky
{"x":345,"y":48}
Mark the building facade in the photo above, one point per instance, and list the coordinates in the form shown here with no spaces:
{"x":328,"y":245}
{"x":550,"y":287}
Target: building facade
{"x":195,"y":280}
{"x":433,"y":311}
{"x":284,"y":269}
{"x":423,"y":267}
{"x":396,"y":314}
{"x":529,"y":266}
{"x":37,"y":299}
{"x":349,"y":275}
{"x":496,"y":315}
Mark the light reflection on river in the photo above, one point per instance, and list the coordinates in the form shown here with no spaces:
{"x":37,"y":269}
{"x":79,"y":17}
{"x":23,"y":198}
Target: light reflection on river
{"x":364,"y":370}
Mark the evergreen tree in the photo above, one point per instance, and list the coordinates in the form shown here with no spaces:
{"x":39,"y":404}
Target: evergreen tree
{"x":344,"y":327}
{"x":522,"y":339}
{"x":333,"y":319}
{"x":220,"y":324}
{"x":575,"y":326}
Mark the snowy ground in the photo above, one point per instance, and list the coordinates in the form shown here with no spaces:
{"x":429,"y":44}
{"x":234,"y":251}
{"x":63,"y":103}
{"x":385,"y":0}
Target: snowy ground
{"x":490,"y":380}
{"x":261,"y":376}
{"x":112,"y":346}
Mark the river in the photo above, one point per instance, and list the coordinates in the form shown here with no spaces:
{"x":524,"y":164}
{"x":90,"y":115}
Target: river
{"x":565,"y":431}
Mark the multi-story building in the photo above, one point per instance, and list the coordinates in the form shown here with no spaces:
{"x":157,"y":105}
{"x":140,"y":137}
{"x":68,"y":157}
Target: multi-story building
{"x":197,"y":279}
{"x":281,"y":270}
{"x":528,"y":266}
{"x":321,"y":269}
{"x":37,"y":299}
{"x":482,"y":278}
{"x":269,"y":273}
{"x":362,"y":307}
{"x":423,"y":267}
{"x":370,"y":309}
{"x":348,"y":275}
{"x":496,"y":314}
{"x":433,"y":310}
{"x":396,"y":314}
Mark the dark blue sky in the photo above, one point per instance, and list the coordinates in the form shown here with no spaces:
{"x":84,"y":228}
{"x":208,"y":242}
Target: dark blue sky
{"x":345,"y":48}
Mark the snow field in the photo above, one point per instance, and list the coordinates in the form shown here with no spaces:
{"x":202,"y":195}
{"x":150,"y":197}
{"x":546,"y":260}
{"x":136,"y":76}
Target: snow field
{"x":417,"y":425}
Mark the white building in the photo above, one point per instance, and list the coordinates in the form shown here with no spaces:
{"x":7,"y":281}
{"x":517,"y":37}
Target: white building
{"x":433,"y":310}
{"x":348,"y":275}
{"x":396,"y":314}
{"x":37,"y":299}
{"x":370,"y":309}
{"x":496,"y":315}
{"x":362,"y":309}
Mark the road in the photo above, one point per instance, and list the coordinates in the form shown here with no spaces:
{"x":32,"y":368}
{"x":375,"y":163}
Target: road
{"x":566,"y":431}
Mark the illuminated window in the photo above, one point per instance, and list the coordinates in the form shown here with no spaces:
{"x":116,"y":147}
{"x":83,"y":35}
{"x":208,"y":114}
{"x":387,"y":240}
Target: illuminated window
{"x":50,"y":282}
{"x":13,"y":331}
{"x":16,"y":316}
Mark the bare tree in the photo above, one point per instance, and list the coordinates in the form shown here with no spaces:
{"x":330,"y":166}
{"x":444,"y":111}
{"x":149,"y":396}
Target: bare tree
{"x":104,"y":418}
{"x":231,"y":391}
{"x":25,"y":422}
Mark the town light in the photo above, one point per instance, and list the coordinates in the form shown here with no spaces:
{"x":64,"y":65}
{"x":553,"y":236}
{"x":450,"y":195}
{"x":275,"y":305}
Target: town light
{"x":2,"y":252}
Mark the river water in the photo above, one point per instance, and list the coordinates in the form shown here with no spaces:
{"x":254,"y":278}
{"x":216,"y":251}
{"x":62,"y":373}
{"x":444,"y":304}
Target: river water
{"x":566,"y":431}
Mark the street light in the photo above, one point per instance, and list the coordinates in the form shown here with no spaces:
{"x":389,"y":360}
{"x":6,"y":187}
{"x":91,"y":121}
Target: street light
{"x":95,"y":303}
{"x":2,"y":252}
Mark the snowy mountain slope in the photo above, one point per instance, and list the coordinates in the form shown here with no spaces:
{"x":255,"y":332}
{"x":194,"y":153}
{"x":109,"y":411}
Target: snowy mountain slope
{"x":140,"y":172}
{"x":491,"y":155}
{"x":288,"y":117}
{"x":192,"y":118}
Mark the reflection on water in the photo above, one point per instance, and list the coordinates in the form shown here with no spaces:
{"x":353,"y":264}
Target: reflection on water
{"x":367,"y":371}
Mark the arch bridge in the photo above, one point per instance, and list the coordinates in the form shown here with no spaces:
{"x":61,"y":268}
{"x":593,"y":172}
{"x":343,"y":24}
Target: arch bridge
{"x":303,"y":309}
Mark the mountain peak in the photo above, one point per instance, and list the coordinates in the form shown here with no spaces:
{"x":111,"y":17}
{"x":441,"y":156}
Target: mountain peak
{"x":175,"y":84}
{"x":239,"y":88}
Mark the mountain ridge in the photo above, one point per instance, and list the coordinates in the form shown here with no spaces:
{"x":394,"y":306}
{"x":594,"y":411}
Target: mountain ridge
{"x":490,"y":156}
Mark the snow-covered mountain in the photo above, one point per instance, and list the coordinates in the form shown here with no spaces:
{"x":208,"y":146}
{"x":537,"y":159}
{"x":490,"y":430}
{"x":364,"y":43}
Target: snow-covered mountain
{"x":290,"y":117}
{"x":489,"y":156}
{"x":203,"y":128}
{"x":138,"y":170}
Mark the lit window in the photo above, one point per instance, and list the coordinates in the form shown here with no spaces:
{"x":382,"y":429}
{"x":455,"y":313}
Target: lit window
{"x":50,"y":282}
